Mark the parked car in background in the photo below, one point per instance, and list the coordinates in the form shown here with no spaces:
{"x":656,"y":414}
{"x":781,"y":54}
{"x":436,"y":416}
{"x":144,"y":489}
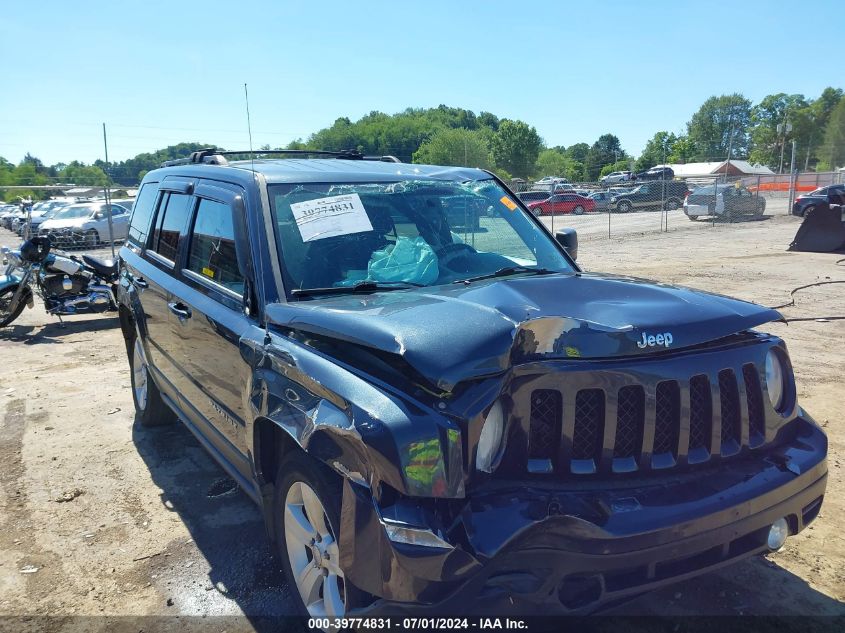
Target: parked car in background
{"x":563,"y":203}
{"x":656,"y":173}
{"x":533,"y":196}
{"x":87,"y":224}
{"x":615,"y":177}
{"x":723,"y":201}
{"x":601,"y":198}
{"x":665,"y":194}
{"x":551,"y":183}
{"x":44,"y":211}
{"x":832,"y":194}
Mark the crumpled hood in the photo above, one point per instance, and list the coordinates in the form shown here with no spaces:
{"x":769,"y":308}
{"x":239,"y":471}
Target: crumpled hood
{"x":462,"y":331}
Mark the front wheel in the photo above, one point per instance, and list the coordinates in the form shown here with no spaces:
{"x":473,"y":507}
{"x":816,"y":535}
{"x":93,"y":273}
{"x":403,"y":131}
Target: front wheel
{"x":149,"y":406}
{"x":579,"y":210}
{"x":7,"y":313}
{"x":307,"y":518}
{"x":623,"y":207}
{"x":672,"y":204}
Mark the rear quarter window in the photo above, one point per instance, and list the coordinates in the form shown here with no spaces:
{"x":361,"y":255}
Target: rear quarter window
{"x":142,"y":213}
{"x":174,"y":210}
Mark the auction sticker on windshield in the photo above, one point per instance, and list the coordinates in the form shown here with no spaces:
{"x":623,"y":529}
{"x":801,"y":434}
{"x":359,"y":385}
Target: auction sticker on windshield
{"x":329,"y":217}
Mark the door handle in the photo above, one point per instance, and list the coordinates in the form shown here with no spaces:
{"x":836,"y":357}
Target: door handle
{"x":180,"y":310}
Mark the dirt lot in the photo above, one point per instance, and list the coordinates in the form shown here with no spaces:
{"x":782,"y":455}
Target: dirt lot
{"x":98,"y":516}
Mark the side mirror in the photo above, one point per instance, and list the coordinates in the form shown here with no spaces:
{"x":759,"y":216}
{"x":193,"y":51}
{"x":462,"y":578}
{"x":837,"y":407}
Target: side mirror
{"x":98,"y":216}
{"x":568,"y":238}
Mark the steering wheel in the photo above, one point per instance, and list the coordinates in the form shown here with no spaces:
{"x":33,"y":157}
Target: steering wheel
{"x":450,"y":252}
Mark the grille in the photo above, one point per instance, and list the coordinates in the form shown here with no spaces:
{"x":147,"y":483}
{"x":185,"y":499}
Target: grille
{"x":589,"y":424}
{"x":667,"y":419}
{"x":729,"y":400}
{"x":630,"y":415}
{"x":754,"y":393}
{"x":544,"y":435}
{"x":700,"y":413}
{"x":572,"y":422}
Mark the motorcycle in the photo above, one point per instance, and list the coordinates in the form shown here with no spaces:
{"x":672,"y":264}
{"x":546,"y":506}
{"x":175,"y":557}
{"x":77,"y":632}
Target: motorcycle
{"x":66,"y":284}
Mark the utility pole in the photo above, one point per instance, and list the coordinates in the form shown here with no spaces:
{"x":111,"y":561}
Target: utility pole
{"x":783,"y":129}
{"x":791,"y":179}
{"x":108,"y":193}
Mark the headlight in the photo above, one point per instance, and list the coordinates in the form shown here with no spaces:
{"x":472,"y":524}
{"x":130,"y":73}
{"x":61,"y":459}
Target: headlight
{"x":774,"y":379}
{"x":491,"y":439}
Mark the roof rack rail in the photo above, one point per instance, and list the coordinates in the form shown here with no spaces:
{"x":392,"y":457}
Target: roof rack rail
{"x":214,"y":156}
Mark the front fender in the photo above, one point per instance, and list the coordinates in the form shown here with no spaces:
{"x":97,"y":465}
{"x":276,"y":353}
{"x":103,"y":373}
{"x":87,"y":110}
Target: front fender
{"x":363,"y":431}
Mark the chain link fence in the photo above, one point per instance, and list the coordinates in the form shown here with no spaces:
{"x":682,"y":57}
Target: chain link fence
{"x":610,"y":210}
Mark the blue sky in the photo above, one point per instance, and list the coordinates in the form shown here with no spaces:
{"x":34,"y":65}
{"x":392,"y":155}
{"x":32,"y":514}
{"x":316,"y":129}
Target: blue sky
{"x":158,"y":73}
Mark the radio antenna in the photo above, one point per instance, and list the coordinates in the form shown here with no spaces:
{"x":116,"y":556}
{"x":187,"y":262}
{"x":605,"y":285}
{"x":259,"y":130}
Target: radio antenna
{"x":255,"y":179}
{"x":249,"y":130}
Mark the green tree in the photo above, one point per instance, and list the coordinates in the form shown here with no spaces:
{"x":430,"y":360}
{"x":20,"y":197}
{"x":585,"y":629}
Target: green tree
{"x":551,"y":162}
{"x":84,"y":175}
{"x":455,"y":147}
{"x":683,"y":150}
{"x":607,"y":150}
{"x":774,"y":110}
{"x":657,"y":150}
{"x":832,"y":152}
{"x":516,"y":146}
{"x":721,"y":124}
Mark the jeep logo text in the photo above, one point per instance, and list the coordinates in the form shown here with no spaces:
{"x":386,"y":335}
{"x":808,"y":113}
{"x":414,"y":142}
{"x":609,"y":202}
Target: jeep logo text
{"x":650,"y":340}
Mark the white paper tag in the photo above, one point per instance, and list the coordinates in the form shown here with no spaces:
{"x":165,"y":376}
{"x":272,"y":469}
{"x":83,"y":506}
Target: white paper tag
{"x":328,"y":217}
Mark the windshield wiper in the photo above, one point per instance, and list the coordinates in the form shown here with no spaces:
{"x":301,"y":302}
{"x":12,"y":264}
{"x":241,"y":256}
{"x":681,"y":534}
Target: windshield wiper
{"x":361,"y":286}
{"x":506,"y":271}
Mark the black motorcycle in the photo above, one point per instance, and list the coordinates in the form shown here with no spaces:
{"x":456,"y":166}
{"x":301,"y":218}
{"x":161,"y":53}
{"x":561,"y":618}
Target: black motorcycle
{"x":66,"y":283}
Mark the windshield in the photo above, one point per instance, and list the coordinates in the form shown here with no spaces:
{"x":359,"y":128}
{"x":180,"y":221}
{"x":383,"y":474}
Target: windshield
{"x":411,"y":232}
{"x":73,"y":212}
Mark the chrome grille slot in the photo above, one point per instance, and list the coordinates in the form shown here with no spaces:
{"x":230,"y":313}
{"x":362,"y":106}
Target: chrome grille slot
{"x":544,"y":433}
{"x":701,"y":418}
{"x":729,"y":402}
{"x":756,"y":415}
{"x":589,"y":424}
{"x":667,"y":419}
{"x":630,"y":418}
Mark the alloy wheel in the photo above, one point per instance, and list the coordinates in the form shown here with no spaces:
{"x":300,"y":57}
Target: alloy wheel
{"x":313,"y":553}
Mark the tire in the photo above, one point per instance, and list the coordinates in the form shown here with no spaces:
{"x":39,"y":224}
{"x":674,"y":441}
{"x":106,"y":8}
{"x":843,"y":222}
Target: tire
{"x":672,"y":204}
{"x":6,"y":295}
{"x":537,"y":211}
{"x":149,"y":406}
{"x":304,"y":542}
{"x":91,"y":239}
{"x":808,"y":209}
{"x":579,"y":210}
{"x":693,"y":218}
{"x":623,"y":207}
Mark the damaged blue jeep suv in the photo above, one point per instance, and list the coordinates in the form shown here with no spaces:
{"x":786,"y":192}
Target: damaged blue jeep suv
{"x":436,"y":409}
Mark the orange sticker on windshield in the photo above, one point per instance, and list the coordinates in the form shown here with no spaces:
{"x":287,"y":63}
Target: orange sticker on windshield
{"x":510,"y":204}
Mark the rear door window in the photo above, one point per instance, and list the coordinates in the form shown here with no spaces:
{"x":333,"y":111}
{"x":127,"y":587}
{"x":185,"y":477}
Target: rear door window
{"x":173,"y":213}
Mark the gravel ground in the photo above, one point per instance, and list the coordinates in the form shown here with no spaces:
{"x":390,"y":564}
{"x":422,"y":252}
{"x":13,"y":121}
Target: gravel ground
{"x":99,"y":516}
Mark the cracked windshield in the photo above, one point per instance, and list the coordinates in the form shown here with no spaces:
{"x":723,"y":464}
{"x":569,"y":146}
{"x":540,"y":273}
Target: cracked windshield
{"x":407,"y":233}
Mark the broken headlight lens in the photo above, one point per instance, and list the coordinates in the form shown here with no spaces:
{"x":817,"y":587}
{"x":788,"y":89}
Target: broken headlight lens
{"x":490,"y":442}
{"x":774,"y":379}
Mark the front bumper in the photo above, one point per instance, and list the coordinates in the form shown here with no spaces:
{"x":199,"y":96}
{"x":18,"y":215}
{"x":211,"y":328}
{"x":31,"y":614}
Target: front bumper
{"x":533,"y":549}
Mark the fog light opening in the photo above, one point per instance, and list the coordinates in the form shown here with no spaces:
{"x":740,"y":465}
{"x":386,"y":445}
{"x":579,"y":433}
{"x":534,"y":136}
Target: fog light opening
{"x":777,"y":535}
